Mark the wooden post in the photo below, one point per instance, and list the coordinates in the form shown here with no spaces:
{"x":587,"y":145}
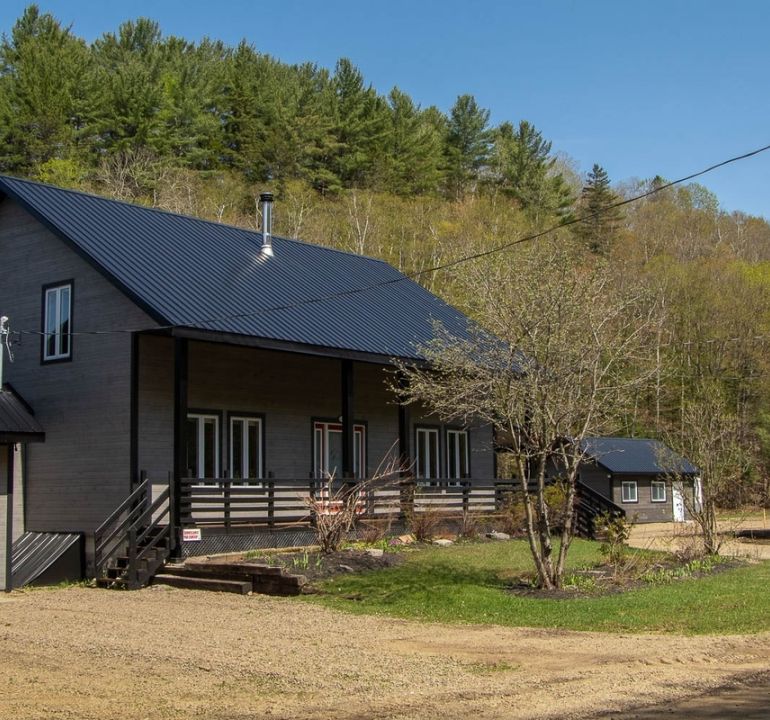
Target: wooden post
{"x":134,"y":413}
{"x":9,"y":521}
{"x":226,"y":491}
{"x":172,"y":509}
{"x":132,"y":576}
{"x":347,"y":418}
{"x":181,"y":353}
{"x":270,"y":503}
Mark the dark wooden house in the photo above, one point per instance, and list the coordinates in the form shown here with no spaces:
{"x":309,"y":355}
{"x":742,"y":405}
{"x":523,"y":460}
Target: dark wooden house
{"x":208,"y":359}
{"x":643,"y":477}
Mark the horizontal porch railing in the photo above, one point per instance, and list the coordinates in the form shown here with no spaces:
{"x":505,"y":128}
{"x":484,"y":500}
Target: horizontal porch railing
{"x":273,"y":502}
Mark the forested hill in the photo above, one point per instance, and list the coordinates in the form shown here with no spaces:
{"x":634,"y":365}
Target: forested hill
{"x":208,"y":107}
{"x":201,"y":128}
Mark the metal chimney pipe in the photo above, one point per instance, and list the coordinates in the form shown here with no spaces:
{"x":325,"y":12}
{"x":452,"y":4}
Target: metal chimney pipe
{"x":266,"y":198}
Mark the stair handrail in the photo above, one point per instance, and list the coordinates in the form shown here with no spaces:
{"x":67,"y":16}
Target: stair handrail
{"x":112,"y":533}
{"x":140,"y":530}
{"x":589,"y":503}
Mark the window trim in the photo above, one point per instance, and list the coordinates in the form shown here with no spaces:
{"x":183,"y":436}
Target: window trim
{"x":261,"y":465}
{"x":466,"y":474}
{"x":439,"y":450}
{"x":357,"y":425}
{"x":217,"y":414}
{"x":44,"y":359}
{"x":629,"y":483}
{"x":653,"y":483}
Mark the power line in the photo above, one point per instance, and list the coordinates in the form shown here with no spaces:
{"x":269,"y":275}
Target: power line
{"x":425,"y":271}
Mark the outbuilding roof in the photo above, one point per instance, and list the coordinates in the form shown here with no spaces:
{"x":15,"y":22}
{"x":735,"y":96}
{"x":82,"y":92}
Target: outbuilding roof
{"x":191,"y":273}
{"x":637,"y":456}
{"x":17,"y":423}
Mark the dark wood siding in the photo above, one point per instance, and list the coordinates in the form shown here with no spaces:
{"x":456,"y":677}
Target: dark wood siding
{"x":81,"y":472}
{"x":289,"y":390}
{"x":596,"y":478}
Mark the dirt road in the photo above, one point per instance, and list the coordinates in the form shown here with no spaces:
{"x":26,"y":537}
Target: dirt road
{"x":84,"y":654}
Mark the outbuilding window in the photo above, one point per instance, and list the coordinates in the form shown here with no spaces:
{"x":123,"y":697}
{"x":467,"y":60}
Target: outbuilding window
{"x":629,"y":491}
{"x":658,"y":491}
{"x":57,"y":322}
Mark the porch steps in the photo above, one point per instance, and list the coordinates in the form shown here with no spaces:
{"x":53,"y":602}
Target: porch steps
{"x":589,"y":506}
{"x":242,"y":577}
{"x":117,"y":572}
{"x":179,"y":578}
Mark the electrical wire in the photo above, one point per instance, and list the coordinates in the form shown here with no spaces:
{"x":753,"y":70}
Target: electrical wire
{"x":425,"y":271}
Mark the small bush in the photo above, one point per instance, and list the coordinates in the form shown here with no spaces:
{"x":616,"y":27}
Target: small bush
{"x":512,"y":517}
{"x":470,"y":526}
{"x":424,"y":524}
{"x":555,"y":496}
{"x":615,"y":531}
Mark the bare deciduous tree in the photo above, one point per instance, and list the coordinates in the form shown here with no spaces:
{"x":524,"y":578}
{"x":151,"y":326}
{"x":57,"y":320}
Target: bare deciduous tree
{"x":339,"y":504}
{"x":710,"y":437}
{"x":560,"y":358}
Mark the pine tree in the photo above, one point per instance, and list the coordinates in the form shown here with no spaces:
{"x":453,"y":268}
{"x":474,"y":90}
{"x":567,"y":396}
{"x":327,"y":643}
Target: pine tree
{"x":523,"y":170}
{"x":413,"y":152}
{"x":361,"y":127}
{"x":466,"y":146}
{"x":42,"y":69}
{"x":599,"y":230}
{"x":128,"y":89}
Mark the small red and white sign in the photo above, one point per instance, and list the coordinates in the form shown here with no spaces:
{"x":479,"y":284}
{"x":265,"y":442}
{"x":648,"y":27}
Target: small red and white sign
{"x":191,"y":534}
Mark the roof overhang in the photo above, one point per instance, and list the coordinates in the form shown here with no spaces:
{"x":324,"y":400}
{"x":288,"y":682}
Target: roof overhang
{"x":17,"y":420}
{"x":215,"y":336}
{"x":17,"y":438}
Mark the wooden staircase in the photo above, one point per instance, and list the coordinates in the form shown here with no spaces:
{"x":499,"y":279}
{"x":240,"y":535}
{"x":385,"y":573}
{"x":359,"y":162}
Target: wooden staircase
{"x":589,"y":505}
{"x":135,"y":541}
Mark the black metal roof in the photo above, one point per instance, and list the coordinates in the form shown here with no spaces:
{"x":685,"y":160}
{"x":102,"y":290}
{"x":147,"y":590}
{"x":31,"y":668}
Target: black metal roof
{"x":17,"y":424}
{"x":637,"y":456}
{"x":207,"y":276}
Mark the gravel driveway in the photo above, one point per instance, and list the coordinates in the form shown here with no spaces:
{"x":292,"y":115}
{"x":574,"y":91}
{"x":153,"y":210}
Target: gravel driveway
{"x":86,"y":654}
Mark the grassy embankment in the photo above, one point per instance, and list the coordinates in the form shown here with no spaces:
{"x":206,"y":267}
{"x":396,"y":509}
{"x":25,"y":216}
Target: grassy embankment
{"x":470,"y":583}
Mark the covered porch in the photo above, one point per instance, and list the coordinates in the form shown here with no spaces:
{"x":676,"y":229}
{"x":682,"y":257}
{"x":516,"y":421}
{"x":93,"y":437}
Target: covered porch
{"x":244,"y":436}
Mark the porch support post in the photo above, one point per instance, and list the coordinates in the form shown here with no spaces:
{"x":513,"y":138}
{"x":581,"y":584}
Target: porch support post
{"x":180,"y":419}
{"x":347,"y":418}
{"x":134,"y":412}
{"x":9,"y":521}
{"x":404,"y":436}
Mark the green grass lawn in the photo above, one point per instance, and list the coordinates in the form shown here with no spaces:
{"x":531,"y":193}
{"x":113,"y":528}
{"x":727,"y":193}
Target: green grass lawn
{"x":467,"y":584}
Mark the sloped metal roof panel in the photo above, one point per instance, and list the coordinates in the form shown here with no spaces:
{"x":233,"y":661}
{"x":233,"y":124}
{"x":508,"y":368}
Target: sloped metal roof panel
{"x":15,"y":417}
{"x":637,"y":456}
{"x":197,"y":274}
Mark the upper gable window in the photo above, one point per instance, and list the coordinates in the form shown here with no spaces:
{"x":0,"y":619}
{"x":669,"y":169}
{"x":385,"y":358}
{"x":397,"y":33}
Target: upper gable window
{"x":57,"y":322}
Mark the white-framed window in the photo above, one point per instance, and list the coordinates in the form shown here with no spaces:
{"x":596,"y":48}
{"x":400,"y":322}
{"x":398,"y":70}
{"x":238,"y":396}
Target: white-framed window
{"x":327,"y":449}
{"x":457,"y":454}
{"x":427,"y":465}
{"x":629,"y":491}
{"x":202,"y":446}
{"x":246,"y":448}
{"x":658,"y":491}
{"x":57,"y":322}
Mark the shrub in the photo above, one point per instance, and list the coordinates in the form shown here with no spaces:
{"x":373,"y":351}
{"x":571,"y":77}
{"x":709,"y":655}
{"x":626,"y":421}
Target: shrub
{"x":615,"y":531}
{"x":424,"y":523}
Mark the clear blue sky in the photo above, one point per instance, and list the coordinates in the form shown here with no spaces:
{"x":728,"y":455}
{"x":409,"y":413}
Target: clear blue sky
{"x":656,"y":87}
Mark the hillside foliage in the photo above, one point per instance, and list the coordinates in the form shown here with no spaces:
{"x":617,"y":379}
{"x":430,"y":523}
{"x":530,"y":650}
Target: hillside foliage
{"x":201,"y":128}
